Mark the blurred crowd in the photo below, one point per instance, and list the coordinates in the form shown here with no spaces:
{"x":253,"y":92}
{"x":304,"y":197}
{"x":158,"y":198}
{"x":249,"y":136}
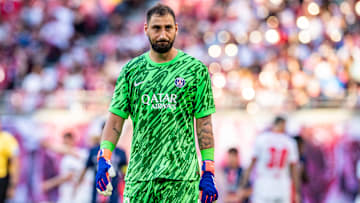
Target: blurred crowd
{"x":288,"y":54}
{"x":51,"y":48}
{"x":57,"y":162}
{"x":278,"y":53}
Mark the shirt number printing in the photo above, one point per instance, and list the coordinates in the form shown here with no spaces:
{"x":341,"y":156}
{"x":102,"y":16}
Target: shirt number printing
{"x":277,"y":158}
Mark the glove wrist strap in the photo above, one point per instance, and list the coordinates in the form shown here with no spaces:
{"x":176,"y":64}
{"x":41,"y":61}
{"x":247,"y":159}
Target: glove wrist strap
{"x":106,"y":153}
{"x":208,"y":166}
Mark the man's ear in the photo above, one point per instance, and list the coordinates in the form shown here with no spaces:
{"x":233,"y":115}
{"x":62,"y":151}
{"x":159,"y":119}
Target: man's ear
{"x":145,"y":27}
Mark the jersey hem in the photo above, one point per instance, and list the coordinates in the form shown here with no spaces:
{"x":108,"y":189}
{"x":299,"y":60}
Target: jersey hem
{"x":118,"y":112}
{"x":205,"y":113}
{"x":166,"y":178}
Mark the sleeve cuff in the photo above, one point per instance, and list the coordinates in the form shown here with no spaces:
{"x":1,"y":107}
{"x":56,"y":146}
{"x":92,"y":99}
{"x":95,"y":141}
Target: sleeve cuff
{"x":207,"y":154}
{"x":105,"y":144}
{"x":118,"y":112}
{"x":205,"y":113}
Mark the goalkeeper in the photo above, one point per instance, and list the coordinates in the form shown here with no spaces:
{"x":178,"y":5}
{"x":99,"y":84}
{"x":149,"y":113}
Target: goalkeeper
{"x":162,"y":91}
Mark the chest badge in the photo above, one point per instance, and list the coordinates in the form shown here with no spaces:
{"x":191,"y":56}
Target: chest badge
{"x":179,"y":82}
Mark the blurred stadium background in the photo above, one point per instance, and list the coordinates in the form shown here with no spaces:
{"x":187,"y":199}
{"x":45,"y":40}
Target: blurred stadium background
{"x":59,"y":61}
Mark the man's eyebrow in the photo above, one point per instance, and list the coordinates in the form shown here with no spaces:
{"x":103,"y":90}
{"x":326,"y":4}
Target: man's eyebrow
{"x":166,"y":25}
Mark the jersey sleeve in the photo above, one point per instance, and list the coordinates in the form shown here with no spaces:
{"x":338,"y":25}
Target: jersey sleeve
{"x":12,"y":146}
{"x":294,"y":153}
{"x":204,"y":101}
{"x":120,"y":102}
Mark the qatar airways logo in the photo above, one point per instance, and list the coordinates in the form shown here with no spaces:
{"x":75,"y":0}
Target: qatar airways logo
{"x":160,"y":100}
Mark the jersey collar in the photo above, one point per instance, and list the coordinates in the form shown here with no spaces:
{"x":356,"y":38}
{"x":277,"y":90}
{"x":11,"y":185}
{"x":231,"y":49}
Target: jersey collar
{"x":148,"y":59}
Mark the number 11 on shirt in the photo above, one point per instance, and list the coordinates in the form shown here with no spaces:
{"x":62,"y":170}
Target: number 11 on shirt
{"x":277,"y":158}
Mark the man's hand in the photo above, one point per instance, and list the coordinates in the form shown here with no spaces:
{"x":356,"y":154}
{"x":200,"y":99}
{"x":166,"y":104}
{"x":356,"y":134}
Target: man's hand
{"x":104,"y":173}
{"x":208,"y":191}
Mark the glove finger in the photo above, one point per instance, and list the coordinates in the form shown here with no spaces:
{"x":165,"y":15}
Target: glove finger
{"x":109,"y":187}
{"x":212,"y":195}
{"x":102,"y":185}
{"x":103,"y":192}
{"x":105,"y":180}
{"x":204,"y":198}
{"x":99,"y":191}
{"x":99,"y":186}
{"x":213,"y":198}
{"x":108,"y":190}
{"x":106,"y":193}
{"x":209,"y":197}
{"x":216,"y":195}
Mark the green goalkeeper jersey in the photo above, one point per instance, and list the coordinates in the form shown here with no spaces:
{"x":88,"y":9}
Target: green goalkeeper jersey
{"x":162,"y":100}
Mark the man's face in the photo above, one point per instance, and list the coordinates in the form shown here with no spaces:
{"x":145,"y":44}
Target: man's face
{"x":282,"y":126}
{"x":161,"y":31}
{"x":233,"y":160}
{"x":68,"y":141}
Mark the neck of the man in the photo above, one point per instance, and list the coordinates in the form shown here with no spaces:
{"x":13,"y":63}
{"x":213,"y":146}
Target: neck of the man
{"x":163,"y":57}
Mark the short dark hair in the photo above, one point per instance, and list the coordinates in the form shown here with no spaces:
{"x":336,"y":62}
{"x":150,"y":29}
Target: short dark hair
{"x":233,"y":150}
{"x":279,"y":119}
{"x":68,"y":135}
{"x":161,"y":10}
{"x":299,"y":139}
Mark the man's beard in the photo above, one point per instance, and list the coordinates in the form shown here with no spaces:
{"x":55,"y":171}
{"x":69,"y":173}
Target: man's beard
{"x":161,"y":48}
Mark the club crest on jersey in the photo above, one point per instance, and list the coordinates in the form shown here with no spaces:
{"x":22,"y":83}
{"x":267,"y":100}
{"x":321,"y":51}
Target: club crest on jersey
{"x":179,"y":82}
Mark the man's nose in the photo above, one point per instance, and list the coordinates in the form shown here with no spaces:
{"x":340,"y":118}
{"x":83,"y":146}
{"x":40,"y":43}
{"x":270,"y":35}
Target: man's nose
{"x":163,"y":34}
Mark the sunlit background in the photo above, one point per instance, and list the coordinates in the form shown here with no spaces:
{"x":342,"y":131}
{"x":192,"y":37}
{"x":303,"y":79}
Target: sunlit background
{"x":59,"y":61}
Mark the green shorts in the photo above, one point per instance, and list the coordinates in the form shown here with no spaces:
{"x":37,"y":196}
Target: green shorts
{"x":161,"y":190}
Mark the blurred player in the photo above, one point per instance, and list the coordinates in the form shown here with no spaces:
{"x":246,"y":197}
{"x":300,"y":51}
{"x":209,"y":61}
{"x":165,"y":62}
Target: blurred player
{"x":9,"y":151}
{"x":71,"y":165}
{"x":275,"y":158}
{"x":303,"y":176}
{"x":162,"y":91}
{"x":118,"y":160}
{"x":233,"y":173}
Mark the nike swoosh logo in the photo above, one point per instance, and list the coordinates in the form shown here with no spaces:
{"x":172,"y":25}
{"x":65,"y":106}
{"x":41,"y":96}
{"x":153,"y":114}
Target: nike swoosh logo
{"x":139,"y":83}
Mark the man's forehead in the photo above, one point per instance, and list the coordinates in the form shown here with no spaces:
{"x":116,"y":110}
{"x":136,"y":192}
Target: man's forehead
{"x":164,"y":19}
